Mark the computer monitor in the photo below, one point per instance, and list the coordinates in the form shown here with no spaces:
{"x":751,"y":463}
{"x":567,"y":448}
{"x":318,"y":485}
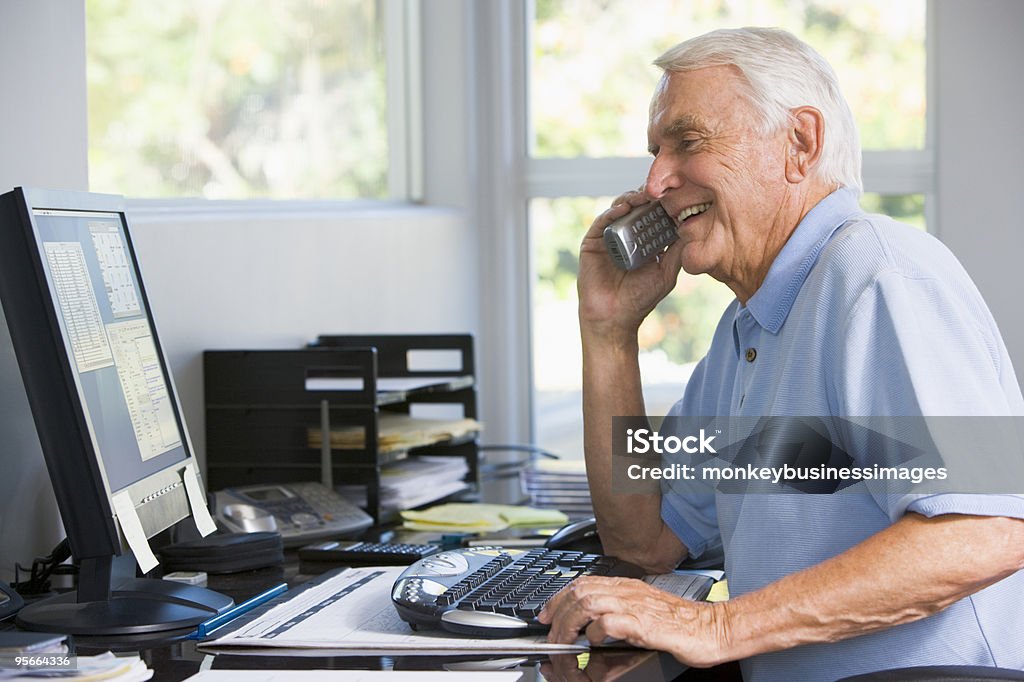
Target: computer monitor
{"x":105,"y":409}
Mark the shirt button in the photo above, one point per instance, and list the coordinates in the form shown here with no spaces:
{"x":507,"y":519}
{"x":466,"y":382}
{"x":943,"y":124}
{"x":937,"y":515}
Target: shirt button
{"x":751,"y":354}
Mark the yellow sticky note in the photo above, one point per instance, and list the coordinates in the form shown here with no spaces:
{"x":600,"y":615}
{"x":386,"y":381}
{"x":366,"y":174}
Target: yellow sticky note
{"x":459,"y":517}
{"x":531,"y":516}
{"x":719,"y":591}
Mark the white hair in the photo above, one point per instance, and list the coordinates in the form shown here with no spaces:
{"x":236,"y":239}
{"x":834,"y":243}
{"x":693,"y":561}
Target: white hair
{"x":782,"y":73}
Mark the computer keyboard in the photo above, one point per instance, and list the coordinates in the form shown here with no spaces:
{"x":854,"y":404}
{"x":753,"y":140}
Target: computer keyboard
{"x":495,"y":592}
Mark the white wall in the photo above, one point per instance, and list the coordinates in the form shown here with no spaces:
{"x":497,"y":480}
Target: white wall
{"x":42,"y":142}
{"x":42,"y":71}
{"x":278,"y":279}
{"x":980,"y":100}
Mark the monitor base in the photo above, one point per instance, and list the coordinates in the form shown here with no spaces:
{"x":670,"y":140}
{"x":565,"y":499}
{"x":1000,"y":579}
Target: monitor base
{"x":137,"y":606}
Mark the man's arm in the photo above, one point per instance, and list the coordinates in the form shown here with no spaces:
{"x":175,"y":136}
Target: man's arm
{"x":630,"y":526}
{"x":911,"y":570}
{"x":613,"y":303}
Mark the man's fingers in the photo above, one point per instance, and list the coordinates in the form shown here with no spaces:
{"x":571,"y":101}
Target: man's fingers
{"x":571,"y":592}
{"x":621,"y":205}
{"x":634,"y":197}
{"x":582,"y":603}
{"x":612,"y":627}
{"x":571,"y":619}
{"x":614,"y":212}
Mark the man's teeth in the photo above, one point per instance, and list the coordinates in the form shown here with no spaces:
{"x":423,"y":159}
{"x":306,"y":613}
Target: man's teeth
{"x":692,"y":211}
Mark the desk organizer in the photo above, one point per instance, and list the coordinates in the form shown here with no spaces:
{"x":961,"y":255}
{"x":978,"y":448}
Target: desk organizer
{"x":267,"y":410}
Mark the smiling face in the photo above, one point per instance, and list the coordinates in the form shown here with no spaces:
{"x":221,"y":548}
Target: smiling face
{"x":723,"y":181}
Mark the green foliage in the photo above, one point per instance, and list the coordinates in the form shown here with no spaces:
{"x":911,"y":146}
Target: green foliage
{"x":234,"y":99}
{"x":592,"y":76}
{"x":906,"y":208}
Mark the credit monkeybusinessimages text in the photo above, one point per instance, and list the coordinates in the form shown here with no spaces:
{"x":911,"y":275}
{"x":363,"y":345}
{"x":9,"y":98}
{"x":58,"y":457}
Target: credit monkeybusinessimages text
{"x":646,"y":441}
{"x":751,"y":472}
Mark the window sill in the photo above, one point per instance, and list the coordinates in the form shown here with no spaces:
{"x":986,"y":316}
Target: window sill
{"x":152,"y":211}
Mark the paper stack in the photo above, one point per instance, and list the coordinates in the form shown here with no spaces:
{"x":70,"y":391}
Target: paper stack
{"x":107,"y":667}
{"x":558,"y":484}
{"x":413,"y":482}
{"x":17,"y":642}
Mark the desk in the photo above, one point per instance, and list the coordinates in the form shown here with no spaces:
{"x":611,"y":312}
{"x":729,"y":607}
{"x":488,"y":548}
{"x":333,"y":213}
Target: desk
{"x":173,"y":664}
{"x":177,"y":660}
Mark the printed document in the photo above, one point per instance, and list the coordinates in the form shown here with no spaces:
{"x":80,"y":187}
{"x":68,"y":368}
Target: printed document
{"x":351,"y":612}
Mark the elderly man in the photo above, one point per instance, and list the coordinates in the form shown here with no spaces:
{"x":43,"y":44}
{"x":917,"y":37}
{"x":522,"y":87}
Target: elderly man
{"x":837,"y":313}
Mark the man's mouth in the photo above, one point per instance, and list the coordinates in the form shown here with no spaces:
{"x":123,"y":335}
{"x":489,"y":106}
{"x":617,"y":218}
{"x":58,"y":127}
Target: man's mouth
{"x":691,"y":211}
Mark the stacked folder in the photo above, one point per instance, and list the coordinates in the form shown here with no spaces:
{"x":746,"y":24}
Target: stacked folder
{"x":479,"y":518}
{"x":558,"y":484}
{"x":399,"y":432}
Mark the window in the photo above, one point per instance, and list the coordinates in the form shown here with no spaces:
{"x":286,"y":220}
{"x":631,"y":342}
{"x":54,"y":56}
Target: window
{"x":226,"y":99}
{"x":589,"y":82}
{"x":592,"y":77}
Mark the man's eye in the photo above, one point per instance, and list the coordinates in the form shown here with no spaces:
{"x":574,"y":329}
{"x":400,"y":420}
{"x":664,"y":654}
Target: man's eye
{"x":687,"y":144}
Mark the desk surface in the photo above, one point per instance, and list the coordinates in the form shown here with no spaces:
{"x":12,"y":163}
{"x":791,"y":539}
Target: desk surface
{"x":177,"y":660}
{"x":171,"y":664}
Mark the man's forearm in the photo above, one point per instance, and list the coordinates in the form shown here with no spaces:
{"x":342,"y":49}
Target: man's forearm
{"x":630,"y":525}
{"x":911,"y":570}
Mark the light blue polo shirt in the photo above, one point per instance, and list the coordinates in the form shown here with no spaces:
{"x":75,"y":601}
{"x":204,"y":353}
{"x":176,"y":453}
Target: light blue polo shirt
{"x":858,"y":316}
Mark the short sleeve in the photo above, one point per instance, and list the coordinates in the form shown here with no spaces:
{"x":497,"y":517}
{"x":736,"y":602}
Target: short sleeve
{"x":1011,"y":506}
{"x":916,"y":350}
{"x":688,"y":507}
{"x":691,"y":516}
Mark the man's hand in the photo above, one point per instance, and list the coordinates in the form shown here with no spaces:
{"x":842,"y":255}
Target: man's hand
{"x":898,"y":575}
{"x":632,"y":611}
{"x":613,"y":297}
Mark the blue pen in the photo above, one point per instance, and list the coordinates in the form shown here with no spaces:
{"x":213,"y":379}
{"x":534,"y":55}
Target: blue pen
{"x":205,"y":628}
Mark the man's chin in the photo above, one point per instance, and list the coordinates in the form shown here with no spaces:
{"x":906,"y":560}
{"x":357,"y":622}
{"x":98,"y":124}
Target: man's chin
{"x":693,"y":263}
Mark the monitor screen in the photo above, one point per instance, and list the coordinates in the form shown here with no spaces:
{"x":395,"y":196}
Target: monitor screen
{"x":118,"y":373}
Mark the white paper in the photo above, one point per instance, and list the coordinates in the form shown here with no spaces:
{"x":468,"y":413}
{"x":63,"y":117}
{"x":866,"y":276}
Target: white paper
{"x":105,"y":666}
{"x":197,"y":501}
{"x":384,"y":383}
{"x":133,"y":533}
{"x":353,"y":611}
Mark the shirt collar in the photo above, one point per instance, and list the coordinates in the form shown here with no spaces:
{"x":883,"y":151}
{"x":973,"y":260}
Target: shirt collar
{"x":771,"y":303}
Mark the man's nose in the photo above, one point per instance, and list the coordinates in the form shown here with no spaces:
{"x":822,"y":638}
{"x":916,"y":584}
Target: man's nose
{"x":661,"y":177}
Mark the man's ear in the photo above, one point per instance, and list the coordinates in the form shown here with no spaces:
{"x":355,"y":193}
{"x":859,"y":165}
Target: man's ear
{"x":805,"y":140}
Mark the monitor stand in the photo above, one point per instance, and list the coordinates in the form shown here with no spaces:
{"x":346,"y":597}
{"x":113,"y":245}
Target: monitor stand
{"x":137,"y":606}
